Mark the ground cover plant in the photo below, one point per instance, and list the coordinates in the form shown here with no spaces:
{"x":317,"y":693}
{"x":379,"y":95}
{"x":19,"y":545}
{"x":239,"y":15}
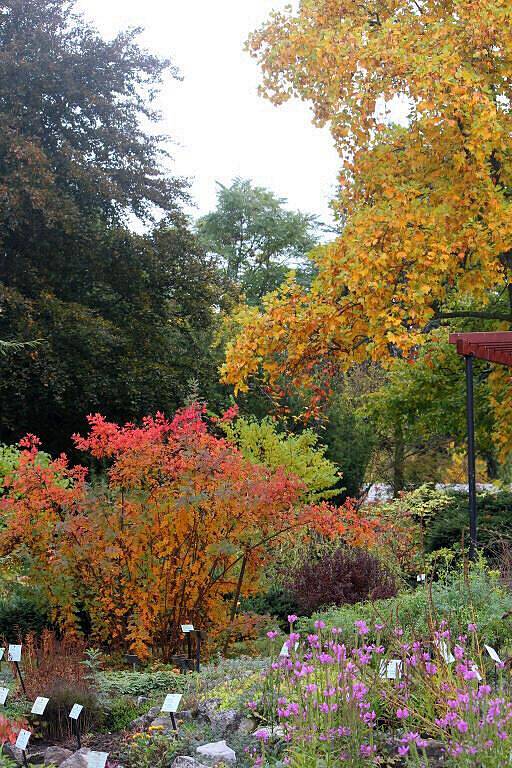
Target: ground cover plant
{"x":342,"y":699}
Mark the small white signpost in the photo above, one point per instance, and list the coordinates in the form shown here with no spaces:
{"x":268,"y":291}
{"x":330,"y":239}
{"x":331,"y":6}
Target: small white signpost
{"x":76,"y":711}
{"x":97,"y":759}
{"x":493,"y":654}
{"x":14,"y":653}
{"x":172,"y":702}
{"x":445,"y":652}
{"x":4,"y":692}
{"x":391,"y":669}
{"x":186,"y":628}
{"x":39,"y":705}
{"x":22,"y":743}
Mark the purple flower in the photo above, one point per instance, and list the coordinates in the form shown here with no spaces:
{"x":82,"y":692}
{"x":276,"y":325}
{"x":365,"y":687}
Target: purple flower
{"x":361,"y":626}
{"x":320,"y":624}
{"x":403,"y":713}
{"x":272,"y":634}
{"x":292,"y":618}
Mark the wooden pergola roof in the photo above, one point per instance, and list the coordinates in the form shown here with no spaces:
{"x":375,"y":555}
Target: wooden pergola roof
{"x":496,"y":347}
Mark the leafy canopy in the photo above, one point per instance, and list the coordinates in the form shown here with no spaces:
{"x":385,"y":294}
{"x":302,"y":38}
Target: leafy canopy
{"x":256,"y":239}
{"x":263,"y":443}
{"x":425,"y":205}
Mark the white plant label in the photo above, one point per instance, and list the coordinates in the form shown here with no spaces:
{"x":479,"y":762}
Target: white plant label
{"x":391,"y":669}
{"x":172,"y":702}
{"x":285,"y":650}
{"x":421,"y":577}
{"x":445,"y":652}
{"x":2,"y":651}
{"x":14,"y":653}
{"x":39,"y":705}
{"x":186,"y":628}
{"x":22,"y":740}
{"x":97,"y":759}
{"x":492,"y":653}
{"x":76,"y":710}
{"x":4,"y":692}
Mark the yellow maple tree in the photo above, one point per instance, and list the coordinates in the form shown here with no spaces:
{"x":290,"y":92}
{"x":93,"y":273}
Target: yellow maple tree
{"x":425,"y":201}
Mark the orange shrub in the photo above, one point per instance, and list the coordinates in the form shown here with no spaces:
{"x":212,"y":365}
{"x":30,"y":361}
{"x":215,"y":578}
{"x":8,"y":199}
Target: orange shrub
{"x":163,"y":542}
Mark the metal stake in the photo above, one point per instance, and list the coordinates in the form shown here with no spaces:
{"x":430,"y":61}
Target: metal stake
{"x":470,"y":414}
{"x":198,"y":650}
{"x":21,"y":678}
{"x":77,"y":731}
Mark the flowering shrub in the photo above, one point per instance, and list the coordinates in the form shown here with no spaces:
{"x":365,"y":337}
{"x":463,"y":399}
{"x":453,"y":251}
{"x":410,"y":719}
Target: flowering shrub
{"x":340,"y":577}
{"x":184,"y":517}
{"x":330,"y":692}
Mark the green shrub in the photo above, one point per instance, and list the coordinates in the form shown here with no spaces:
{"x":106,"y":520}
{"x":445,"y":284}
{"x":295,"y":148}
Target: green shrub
{"x":481,"y":598}
{"x":20,"y":614}
{"x":120,"y":713}
{"x":126,"y":683}
{"x":277,"y":602}
{"x":55,"y":724}
{"x":451,"y":521}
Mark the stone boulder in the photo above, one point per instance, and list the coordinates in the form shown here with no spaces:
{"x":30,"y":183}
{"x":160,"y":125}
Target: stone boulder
{"x":77,"y":759}
{"x":225,"y":722}
{"x":217,"y":751}
{"x":56,"y":755}
{"x":187,"y":762}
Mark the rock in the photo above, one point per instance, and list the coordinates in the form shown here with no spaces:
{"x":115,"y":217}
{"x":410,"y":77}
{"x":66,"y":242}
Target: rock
{"x":226,"y":722}
{"x":33,"y":758}
{"x":187,"y":762}
{"x":140,"y":723}
{"x":246,"y":726}
{"x":77,"y":759}
{"x":207,"y":709}
{"x":13,"y":752}
{"x":153,"y":712}
{"x":217,"y":750}
{"x":56,"y":755}
{"x":141,"y":700}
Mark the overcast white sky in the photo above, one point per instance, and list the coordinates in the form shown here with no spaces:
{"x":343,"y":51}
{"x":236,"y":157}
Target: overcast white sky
{"x":222,"y":127}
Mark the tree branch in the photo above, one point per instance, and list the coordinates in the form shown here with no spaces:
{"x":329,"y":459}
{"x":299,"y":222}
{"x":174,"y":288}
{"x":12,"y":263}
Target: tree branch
{"x":507,"y":316}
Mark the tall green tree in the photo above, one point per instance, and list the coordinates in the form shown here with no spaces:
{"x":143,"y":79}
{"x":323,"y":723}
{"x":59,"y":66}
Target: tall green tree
{"x":257,"y":239}
{"x":123,"y":319}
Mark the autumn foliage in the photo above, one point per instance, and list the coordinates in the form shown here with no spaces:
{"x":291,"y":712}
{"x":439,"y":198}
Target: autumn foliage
{"x":162,"y":541}
{"x":417,"y":94}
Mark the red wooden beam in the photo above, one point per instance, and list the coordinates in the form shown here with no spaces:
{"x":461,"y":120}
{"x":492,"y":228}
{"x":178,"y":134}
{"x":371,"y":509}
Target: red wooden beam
{"x":496,"y":347}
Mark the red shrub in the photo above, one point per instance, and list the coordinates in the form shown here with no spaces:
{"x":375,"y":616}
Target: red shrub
{"x":340,"y":577}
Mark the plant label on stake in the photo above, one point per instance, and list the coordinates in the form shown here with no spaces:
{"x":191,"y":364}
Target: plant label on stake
{"x":493,"y":654}
{"x":172,"y":702}
{"x":76,"y":710}
{"x":22,"y":743}
{"x":2,"y":651}
{"x":187,"y":629}
{"x":170,"y":705}
{"x":285,"y":650}
{"x":420,"y":577}
{"x":39,"y":705}
{"x":445,"y":652}
{"x":4,"y":692}
{"x":391,"y":669}
{"x":14,"y":654}
{"x":97,"y":759}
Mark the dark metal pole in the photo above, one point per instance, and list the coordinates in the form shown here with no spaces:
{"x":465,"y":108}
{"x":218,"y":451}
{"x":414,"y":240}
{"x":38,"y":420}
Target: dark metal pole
{"x":470,"y":413}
